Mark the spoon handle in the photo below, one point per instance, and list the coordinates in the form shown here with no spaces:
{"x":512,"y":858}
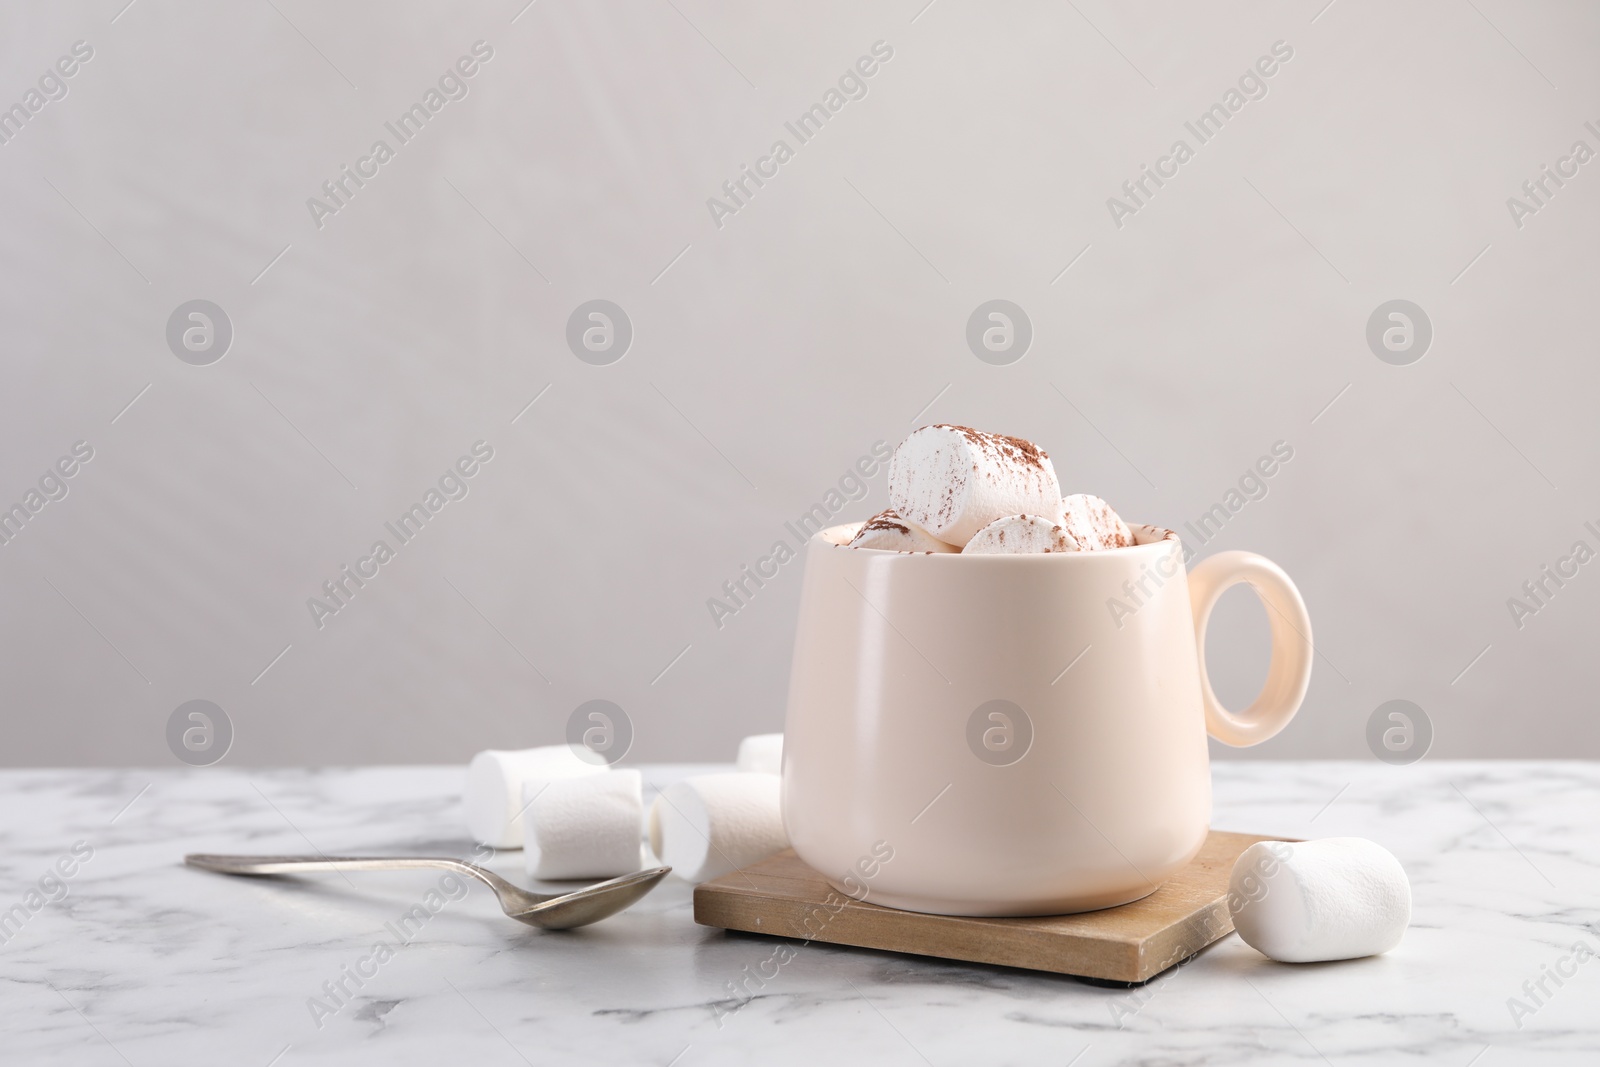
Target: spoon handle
{"x":552,"y":911}
{"x":508,"y":894}
{"x":289,"y":864}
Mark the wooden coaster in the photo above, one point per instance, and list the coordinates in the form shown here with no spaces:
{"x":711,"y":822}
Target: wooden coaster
{"x":1133,"y":943}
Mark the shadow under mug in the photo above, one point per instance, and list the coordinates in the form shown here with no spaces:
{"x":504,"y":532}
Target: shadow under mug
{"x":1019,"y":734}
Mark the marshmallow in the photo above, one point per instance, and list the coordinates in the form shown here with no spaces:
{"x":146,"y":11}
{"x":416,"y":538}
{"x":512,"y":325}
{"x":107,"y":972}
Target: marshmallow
{"x":706,"y":826}
{"x":1091,"y":523}
{"x":841,"y":535}
{"x":953,"y":481}
{"x":585,"y":827}
{"x":1334,"y":899}
{"x":1020,"y":533}
{"x":887,"y":530}
{"x":493,"y":797}
{"x":762,"y":753}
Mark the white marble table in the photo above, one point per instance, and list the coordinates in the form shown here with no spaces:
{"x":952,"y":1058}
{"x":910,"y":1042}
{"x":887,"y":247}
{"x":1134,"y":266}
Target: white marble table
{"x":145,"y":961}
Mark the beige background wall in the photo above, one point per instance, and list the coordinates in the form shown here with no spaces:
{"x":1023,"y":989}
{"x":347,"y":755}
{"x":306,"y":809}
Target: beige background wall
{"x":370,"y":352}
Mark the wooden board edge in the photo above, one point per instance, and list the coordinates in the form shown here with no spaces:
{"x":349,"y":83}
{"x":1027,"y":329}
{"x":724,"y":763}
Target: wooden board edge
{"x":732,"y":903}
{"x":1170,"y":947}
{"x":890,"y":930}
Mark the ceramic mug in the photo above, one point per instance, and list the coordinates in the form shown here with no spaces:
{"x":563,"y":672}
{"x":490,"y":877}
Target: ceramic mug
{"x":1024,"y":734}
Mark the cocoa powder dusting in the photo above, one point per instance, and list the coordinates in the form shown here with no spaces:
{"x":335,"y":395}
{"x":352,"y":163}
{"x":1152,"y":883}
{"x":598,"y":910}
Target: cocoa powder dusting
{"x":1012,"y":448}
{"x":884,"y":520}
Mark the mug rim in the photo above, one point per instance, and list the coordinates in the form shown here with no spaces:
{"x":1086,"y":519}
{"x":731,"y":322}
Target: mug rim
{"x":1158,"y":536}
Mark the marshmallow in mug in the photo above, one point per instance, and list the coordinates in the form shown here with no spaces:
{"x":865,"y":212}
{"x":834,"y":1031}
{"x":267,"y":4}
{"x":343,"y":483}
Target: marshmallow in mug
{"x":1334,"y":899}
{"x":953,"y":480}
{"x":888,"y":531}
{"x":1092,"y":524}
{"x":841,"y":535}
{"x":1020,"y":534}
{"x":585,"y":827}
{"x":710,"y":824}
{"x":493,"y":796}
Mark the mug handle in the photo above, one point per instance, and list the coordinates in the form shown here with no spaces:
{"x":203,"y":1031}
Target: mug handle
{"x":1289,"y":673}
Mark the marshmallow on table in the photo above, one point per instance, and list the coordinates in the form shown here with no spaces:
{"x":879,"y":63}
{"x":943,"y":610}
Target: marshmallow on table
{"x":762,"y":753}
{"x":1020,"y":533}
{"x":493,"y":797}
{"x":585,"y":827}
{"x":705,"y":826}
{"x":887,"y":530}
{"x":953,"y":480}
{"x":1334,"y":899}
{"x":1091,"y":523}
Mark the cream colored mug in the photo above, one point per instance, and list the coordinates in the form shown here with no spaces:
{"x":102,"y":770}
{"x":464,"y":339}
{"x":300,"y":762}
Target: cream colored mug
{"x":1026,"y":734}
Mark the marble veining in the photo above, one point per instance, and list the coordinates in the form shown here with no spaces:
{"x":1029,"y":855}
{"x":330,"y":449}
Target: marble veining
{"x":144,"y":961}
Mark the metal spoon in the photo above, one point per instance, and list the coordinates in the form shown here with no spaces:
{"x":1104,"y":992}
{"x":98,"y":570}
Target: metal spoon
{"x":553,"y":911}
